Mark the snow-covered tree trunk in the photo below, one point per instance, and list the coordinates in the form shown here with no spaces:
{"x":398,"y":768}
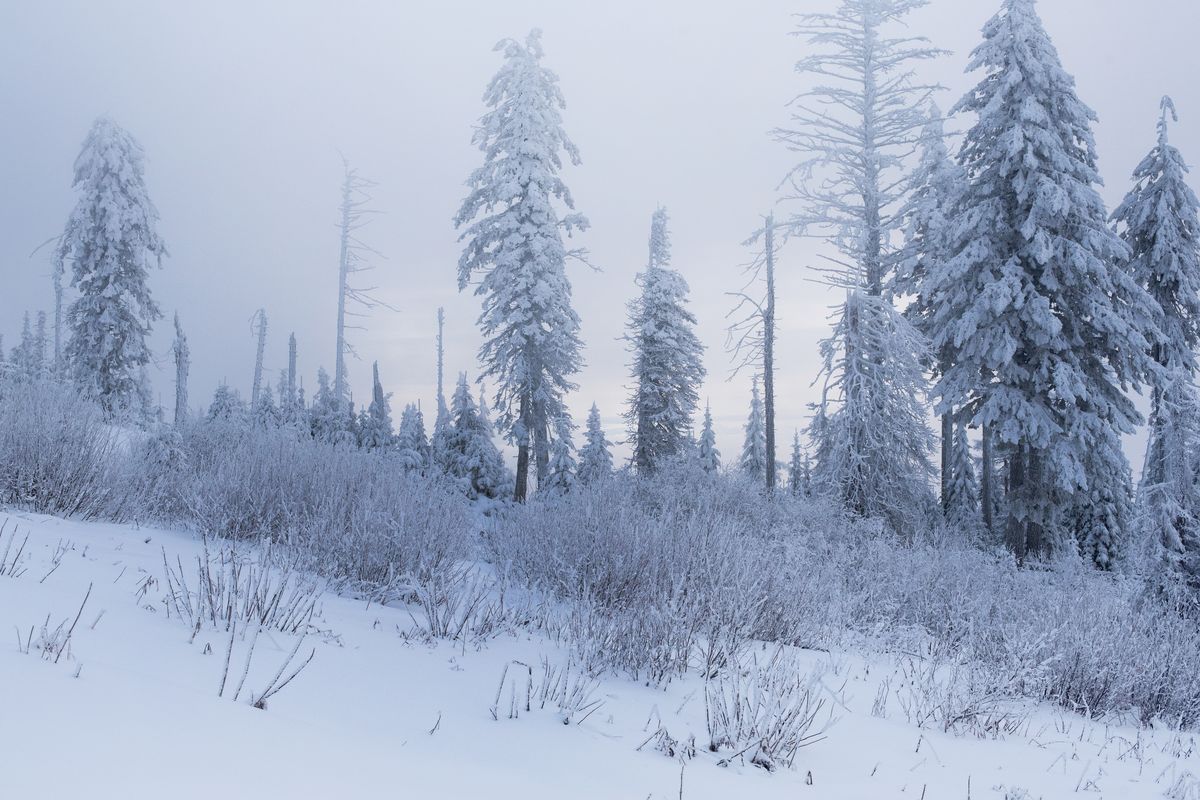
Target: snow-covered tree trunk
{"x":183,"y":364}
{"x":769,"y":352}
{"x":111,"y":241}
{"x":58,"y":317}
{"x":928,"y":222}
{"x":514,"y":241}
{"x":260,"y":333}
{"x":442,"y":409}
{"x":291,"y":399}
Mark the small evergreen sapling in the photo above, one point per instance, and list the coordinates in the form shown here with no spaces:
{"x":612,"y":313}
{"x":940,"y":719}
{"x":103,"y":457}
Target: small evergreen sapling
{"x":595,"y":457}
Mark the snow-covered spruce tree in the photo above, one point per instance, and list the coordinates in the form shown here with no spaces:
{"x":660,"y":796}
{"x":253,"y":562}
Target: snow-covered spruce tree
{"x":183,"y":363}
{"x":595,"y":458}
{"x":264,"y":412}
{"x":667,"y":367}
{"x":411,"y":445}
{"x":514,"y":239}
{"x":1040,"y":323}
{"x":471,"y":457}
{"x":854,"y":130}
{"x":375,"y":423}
{"x":928,"y":220}
{"x":707,"y":454}
{"x":1101,"y":515}
{"x":754,"y":449}
{"x":961,"y":501}
{"x":330,"y":419}
{"x":1159,"y":221}
{"x":226,"y":405}
{"x":111,"y":241}
{"x":24,"y":354}
{"x":562,"y":474}
{"x":799,"y":471}
{"x":872,"y":446}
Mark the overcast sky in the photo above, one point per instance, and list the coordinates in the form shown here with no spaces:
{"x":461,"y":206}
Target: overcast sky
{"x":243,"y":107}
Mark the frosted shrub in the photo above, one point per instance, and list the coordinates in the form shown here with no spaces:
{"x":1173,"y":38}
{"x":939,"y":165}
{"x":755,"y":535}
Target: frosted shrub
{"x":226,"y":588}
{"x":679,"y":571}
{"x":350,"y":515}
{"x":764,"y":708}
{"x":57,"y":456}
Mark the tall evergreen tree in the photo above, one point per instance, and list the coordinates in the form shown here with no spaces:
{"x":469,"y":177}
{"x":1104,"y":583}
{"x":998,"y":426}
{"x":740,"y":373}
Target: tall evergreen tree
{"x":854,"y":131}
{"x":754,"y":449}
{"x":595,"y":458}
{"x":514,"y":238}
{"x":928,"y":221}
{"x":667,"y":367}
{"x":111,"y":240}
{"x":707,"y":453}
{"x":1159,"y":221}
{"x":1041,"y":325}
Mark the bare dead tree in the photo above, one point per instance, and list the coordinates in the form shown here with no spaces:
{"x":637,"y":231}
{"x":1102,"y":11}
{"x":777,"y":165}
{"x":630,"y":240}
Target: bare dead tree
{"x":182,"y":365}
{"x":258,"y":324}
{"x":751,"y":336}
{"x":291,"y":375}
{"x":356,"y":213}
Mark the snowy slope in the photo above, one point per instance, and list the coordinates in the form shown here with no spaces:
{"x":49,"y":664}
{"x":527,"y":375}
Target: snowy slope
{"x":377,"y":713}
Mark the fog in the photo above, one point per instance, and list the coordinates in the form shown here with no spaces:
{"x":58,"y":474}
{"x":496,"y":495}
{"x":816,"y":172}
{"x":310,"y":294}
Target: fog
{"x":244,"y":110}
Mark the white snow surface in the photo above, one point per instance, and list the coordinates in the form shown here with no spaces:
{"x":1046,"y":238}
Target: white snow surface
{"x":133,"y":711}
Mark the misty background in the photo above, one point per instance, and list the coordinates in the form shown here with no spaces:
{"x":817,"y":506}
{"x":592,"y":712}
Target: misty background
{"x":244,"y":110}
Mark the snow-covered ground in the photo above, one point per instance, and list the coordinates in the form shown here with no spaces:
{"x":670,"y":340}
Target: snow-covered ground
{"x":133,"y":710}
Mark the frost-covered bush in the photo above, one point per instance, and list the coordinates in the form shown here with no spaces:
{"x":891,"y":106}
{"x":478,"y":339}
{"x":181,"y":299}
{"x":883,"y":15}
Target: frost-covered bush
{"x":665,"y":573}
{"x":678,"y":572}
{"x":345,"y":513}
{"x":763,"y":707}
{"x":57,"y":455}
